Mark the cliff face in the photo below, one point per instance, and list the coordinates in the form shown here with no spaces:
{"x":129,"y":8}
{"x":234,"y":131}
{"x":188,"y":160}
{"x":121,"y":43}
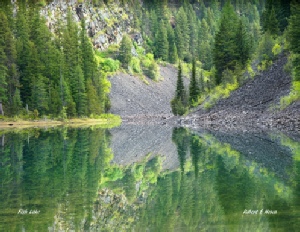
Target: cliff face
{"x":104,"y":24}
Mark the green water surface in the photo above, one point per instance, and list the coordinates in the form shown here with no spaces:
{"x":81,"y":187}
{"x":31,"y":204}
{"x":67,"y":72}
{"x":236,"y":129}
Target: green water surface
{"x":65,"y":180}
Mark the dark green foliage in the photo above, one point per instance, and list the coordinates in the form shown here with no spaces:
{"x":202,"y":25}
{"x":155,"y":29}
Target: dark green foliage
{"x":79,"y":91}
{"x":23,"y":51}
{"x":242,"y":43}
{"x":182,"y":34}
{"x":294,"y":29}
{"x":94,"y":105}
{"x":89,"y":66}
{"x":179,"y":103}
{"x":271,"y":23}
{"x":173,"y":55}
{"x":4,"y":34}
{"x":125,"y":51}
{"x":180,"y":90}
{"x":225,"y":49}
{"x":161,"y":42}
{"x":47,"y":73}
{"x":194,"y":87}
{"x":205,"y":44}
{"x":275,"y":16}
{"x":192,"y":22}
{"x":294,"y":38}
{"x":179,"y":42}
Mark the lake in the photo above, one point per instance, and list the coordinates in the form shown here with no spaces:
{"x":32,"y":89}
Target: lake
{"x":148,"y":178}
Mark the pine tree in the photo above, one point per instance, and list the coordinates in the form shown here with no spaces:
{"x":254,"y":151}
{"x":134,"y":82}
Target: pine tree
{"x":294,"y":29}
{"x":205,"y":45}
{"x":72,"y":61}
{"x":161,"y":42}
{"x":272,"y":23}
{"x":79,"y":92}
{"x":180,"y":90}
{"x":192,"y":22}
{"x":269,"y":17}
{"x":8,"y":45}
{"x":37,"y":83}
{"x":293,"y":38}
{"x":182,"y":34}
{"x":284,"y":14}
{"x":179,"y":103}
{"x":194,"y":87}
{"x":173,"y":55}
{"x":89,"y":66}
{"x":225,"y":47}
{"x":125,"y":55}
{"x":5,"y":35}
{"x":243,"y":44}
{"x":23,"y":51}
{"x":179,"y":42}
{"x":93,"y":104}
{"x":154,"y":23}
{"x":3,"y":74}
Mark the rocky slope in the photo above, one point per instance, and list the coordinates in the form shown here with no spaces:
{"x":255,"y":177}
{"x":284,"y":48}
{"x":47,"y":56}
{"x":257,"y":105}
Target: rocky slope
{"x":252,"y":105}
{"x":136,"y":101}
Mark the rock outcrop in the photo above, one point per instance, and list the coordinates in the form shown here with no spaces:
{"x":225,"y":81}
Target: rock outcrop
{"x":105,"y":25}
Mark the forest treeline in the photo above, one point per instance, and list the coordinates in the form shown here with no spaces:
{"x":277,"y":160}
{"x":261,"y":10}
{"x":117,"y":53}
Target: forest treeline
{"x":58,"y":74}
{"x":44,"y":73}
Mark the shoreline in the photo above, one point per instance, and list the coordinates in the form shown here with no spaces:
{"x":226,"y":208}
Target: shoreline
{"x":76,"y":122}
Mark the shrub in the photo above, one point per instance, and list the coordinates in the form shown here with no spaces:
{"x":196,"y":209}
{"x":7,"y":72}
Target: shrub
{"x":276,"y":50}
{"x":150,"y":67}
{"x":177,"y":107}
{"x":265,"y":47}
{"x":109,"y":64}
{"x":135,"y":64}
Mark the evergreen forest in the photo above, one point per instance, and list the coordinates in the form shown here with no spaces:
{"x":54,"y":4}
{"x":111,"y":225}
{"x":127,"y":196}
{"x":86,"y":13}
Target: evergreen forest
{"x":217,"y":44}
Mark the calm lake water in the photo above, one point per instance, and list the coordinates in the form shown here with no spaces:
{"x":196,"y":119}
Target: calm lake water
{"x":120,"y":180}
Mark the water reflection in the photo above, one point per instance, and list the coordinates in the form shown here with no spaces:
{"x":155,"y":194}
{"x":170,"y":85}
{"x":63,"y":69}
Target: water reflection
{"x":64,"y":179}
{"x":54,"y":173}
{"x":218,"y":189}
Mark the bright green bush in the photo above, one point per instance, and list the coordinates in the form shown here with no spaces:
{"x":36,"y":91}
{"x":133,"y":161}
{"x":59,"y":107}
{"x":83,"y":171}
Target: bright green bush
{"x":150,"y":67}
{"x":136,"y":65}
{"x":276,"y":50}
{"x":109,"y":64}
{"x":292,"y":97}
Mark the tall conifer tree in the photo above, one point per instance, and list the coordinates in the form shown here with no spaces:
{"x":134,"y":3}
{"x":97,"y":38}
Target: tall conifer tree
{"x":225,"y":47}
{"x":161,"y":42}
{"x":194,"y":87}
